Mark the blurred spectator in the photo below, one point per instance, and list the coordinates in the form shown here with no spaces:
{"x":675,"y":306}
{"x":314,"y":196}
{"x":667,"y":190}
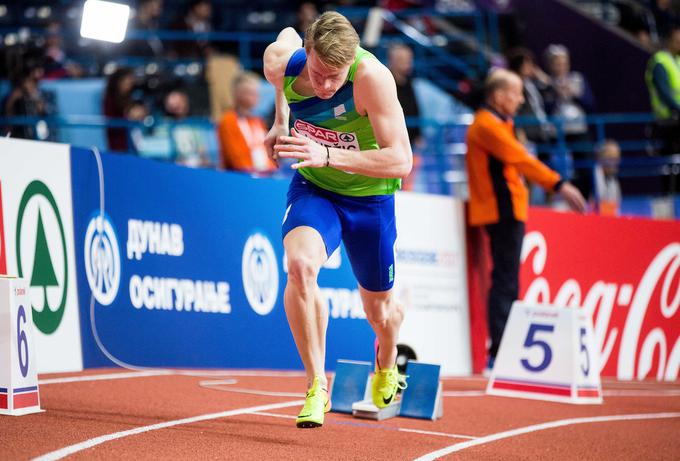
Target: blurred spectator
{"x":573,"y":95}
{"x":400,"y":63}
{"x":663,"y":82}
{"x":198,"y":19}
{"x":241,"y":133}
{"x":306,"y":15}
{"x":26,"y":100}
{"x":665,"y":17}
{"x":137,"y":112}
{"x":536,"y":84}
{"x":636,"y":19}
{"x":573,"y":101}
{"x":57,"y":64}
{"x":607,"y":191}
{"x":117,"y":99}
{"x":146,"y":20}
{"x":189,"y":142}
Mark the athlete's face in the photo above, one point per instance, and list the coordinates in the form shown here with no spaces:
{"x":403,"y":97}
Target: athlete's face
{"x":325,"y":80}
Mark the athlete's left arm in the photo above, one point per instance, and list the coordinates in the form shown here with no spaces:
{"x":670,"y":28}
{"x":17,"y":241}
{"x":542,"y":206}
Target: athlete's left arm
{"x":375,"y":95}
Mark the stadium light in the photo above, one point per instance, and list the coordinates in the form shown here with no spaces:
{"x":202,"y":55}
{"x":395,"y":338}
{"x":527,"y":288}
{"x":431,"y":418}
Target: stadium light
{"x":104,"y":21}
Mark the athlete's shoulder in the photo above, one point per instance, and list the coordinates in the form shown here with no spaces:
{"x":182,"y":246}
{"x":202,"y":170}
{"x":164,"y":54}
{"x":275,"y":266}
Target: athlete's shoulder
{"x":370,"y":68}
{"x":373,"y":79}
{"x":278,"y":53}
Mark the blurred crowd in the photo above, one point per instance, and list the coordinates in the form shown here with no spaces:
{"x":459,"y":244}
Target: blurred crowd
{"x":184,"y":82}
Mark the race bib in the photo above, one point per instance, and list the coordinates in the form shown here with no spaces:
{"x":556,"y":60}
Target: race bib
{"x":327,"y":137}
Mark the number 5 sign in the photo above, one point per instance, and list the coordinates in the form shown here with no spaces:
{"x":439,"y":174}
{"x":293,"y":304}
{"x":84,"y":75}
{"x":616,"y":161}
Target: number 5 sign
{"x":18,"y":371}
{"x":547,"y":353}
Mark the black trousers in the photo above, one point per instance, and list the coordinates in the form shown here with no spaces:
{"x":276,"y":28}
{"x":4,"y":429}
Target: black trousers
{"x":506,"y":247}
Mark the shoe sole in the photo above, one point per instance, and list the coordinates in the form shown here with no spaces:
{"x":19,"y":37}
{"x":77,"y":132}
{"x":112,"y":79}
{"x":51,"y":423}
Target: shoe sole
{"x":308,"y":425}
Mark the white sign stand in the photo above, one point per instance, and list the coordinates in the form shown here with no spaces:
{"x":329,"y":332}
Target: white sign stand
{"x":547,"y":353}
{"x":19,"y":393}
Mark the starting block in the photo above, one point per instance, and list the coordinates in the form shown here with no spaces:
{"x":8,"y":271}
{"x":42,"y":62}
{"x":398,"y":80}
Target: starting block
{"x":547,"y":353}
{"x":351,"y":384}
{"x":351,"y":392}
{"x":18,"y":369}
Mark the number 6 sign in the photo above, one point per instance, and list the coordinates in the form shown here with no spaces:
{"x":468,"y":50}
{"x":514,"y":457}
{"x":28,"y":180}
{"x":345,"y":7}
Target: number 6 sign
{"x":18,"y":371}
{"x":547,"y":353}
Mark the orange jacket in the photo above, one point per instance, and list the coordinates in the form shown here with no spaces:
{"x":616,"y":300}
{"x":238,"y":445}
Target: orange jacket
{"x":238,"y":150}
{"x":496,"y":162}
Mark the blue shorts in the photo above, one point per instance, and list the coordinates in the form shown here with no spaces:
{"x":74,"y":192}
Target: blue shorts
{"x":365,"y":224}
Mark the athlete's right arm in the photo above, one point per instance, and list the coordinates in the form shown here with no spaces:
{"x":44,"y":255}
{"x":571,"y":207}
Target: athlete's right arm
{"x":275,"y":59}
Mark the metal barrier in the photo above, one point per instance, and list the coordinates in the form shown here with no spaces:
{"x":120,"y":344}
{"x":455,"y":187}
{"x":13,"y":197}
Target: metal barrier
{"x":442,"y":155}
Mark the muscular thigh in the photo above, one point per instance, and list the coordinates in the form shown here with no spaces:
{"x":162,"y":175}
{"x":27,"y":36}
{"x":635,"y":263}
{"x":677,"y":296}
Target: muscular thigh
{"x":369,"y":232}
{"x":309,"y":209}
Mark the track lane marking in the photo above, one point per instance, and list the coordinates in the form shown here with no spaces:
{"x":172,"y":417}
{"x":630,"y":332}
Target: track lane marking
{"x":165,"y":372}
{"x":104,"y":377}
{"x":375,"y":426}
{"x":75,"y":448}
{"x":540,"y":427}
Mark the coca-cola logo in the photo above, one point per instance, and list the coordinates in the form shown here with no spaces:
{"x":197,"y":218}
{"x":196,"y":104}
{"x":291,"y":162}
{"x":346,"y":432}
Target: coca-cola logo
{"x":647,"y":318}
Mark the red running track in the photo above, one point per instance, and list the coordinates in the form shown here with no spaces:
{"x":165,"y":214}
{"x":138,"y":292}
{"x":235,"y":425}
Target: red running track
{"x":116,"y":414}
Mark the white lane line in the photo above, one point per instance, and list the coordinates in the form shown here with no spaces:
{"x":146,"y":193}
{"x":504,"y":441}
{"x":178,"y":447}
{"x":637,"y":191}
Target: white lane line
{"x":161,"y":372}
{"x":441,"y":434}
{"x":66,"y":451}
{"x":540,"y":427}
{"x":399,"y":429}
{"x":103,"y":377}
{"x":273,"y":415}
{"x":641,"y":393}
{"x":241,"y":390}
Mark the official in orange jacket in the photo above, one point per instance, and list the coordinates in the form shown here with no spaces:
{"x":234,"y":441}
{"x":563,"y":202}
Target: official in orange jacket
{"x":499,"y":200}
{"x":241,"y":133}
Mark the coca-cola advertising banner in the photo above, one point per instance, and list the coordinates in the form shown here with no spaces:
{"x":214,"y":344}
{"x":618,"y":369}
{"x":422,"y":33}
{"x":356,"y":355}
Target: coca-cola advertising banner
{"x":625,"y":272}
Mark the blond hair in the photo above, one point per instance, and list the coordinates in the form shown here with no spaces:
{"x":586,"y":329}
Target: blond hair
{"x":333,"y":39}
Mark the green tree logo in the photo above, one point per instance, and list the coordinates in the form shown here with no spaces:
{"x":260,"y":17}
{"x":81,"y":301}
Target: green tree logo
{"x":42,"y":273}
{"x":43,"y":270}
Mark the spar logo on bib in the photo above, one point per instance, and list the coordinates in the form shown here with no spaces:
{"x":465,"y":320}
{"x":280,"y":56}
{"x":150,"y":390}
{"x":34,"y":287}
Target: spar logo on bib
{"x":102,"y":259}
{"x":42,"y":255}
{"x":260,"y":273}
{"x":327,"y":137}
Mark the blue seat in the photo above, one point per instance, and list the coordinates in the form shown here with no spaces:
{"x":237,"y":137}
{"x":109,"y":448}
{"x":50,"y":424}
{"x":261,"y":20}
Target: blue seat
{"x":78,"y":97}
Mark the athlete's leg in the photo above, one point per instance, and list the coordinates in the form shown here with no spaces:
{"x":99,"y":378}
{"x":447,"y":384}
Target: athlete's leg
{"x":307,"y":315}
{"x":369,"y":233}
{"x":385,"y":315}
{"x":311,"y":231}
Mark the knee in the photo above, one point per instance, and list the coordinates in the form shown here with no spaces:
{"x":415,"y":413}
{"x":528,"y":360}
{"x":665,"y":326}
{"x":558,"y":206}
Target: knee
{"x":379,"y":312}
{"x":302,"y":271}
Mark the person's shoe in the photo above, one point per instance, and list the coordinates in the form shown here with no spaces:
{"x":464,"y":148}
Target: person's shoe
{"x":316,"y":405}
{"x":385,"y":385}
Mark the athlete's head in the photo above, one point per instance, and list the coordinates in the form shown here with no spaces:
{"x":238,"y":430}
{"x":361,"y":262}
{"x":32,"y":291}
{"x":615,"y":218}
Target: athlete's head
{"x":330,"y":43}
{"x":504,"y":91}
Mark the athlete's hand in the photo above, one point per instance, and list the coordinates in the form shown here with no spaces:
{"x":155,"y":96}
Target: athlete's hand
{"x":311,"y":153}
{"x":271,"y":139}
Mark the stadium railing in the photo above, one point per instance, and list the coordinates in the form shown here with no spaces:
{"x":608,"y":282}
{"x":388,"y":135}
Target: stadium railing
{"x":442,"y":156}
